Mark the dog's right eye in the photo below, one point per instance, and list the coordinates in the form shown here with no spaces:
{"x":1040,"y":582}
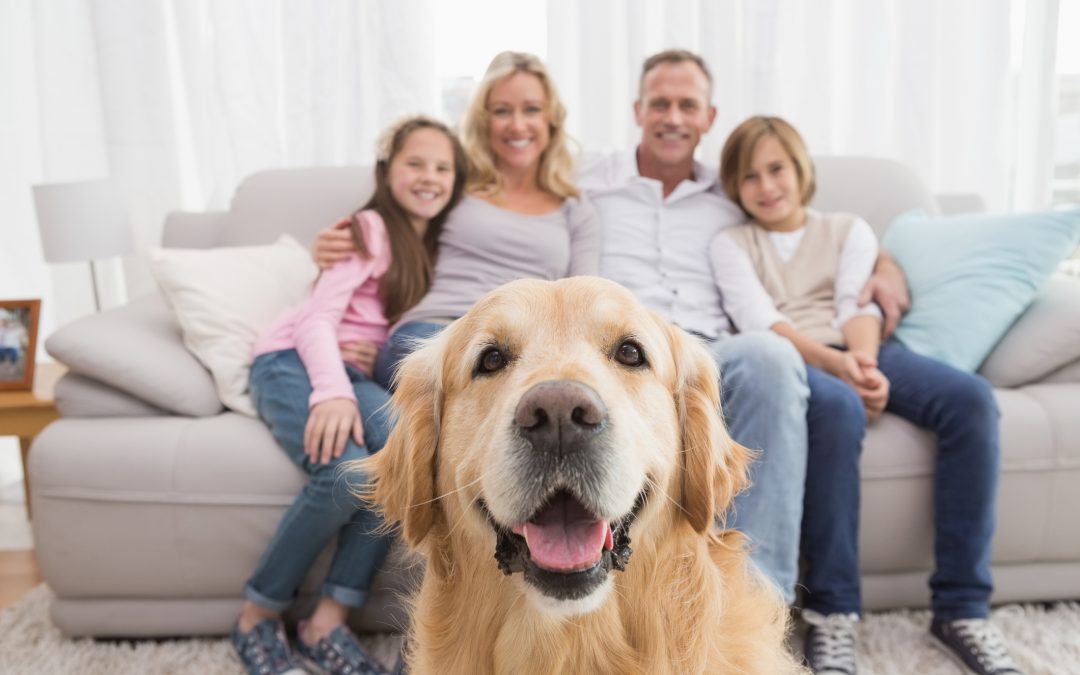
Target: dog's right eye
{"x":491,"y":360}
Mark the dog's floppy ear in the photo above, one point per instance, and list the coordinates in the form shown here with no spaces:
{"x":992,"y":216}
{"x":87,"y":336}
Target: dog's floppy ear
{"x":405,"y":469}
{"x":714,"y":467}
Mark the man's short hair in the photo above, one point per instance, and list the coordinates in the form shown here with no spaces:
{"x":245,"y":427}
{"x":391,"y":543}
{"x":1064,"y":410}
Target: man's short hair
{"x":674,"y":56}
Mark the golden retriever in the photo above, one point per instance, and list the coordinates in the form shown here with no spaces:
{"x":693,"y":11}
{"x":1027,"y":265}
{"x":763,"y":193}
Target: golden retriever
{"x":560,"y":462}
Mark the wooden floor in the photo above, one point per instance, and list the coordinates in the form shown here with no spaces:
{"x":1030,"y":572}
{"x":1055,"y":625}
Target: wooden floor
{"x":18,"y":574}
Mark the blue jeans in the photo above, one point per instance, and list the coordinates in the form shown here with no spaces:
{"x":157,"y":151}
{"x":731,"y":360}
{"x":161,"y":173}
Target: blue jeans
{"x":764,"y":394}
{"x":959,"y":407}
{"x":836,"y":422}
{"x":402,"y":342}
{"x":326,"y":507}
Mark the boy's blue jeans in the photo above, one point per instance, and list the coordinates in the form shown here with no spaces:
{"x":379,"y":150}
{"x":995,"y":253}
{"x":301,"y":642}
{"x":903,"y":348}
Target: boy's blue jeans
{"x":326,"y":507}
{"x":959,"y":408}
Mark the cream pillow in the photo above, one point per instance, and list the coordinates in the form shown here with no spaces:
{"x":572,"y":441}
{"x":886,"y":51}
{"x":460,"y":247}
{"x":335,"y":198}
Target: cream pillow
{"x":224,"y":298}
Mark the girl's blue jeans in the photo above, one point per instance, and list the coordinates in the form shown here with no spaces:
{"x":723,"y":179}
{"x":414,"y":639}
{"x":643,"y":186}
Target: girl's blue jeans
{"x":402,"y":342}
{"x":327,"y":506}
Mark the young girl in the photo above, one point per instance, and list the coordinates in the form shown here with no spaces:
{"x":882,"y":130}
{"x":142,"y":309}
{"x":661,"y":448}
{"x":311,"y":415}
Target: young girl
{"x":325,"y":412}
{"x":798,"y":273}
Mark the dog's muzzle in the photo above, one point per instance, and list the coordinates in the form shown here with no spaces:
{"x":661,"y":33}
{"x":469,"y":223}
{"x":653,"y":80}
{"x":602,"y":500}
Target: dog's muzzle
{"x":563,"y":547}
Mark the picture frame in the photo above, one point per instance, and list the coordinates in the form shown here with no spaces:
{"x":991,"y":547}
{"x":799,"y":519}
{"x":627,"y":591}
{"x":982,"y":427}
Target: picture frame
{"x":18,"y":343}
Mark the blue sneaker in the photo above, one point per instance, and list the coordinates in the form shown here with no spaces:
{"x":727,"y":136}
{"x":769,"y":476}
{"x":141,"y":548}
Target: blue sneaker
{"x":975,"y":645}
{"x":264,"y":650}
{"x":340,"y":653}
{"x":830,"y":645}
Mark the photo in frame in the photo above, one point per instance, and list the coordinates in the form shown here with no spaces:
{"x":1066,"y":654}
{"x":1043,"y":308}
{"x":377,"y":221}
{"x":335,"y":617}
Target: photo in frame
{"x":18,"y":343}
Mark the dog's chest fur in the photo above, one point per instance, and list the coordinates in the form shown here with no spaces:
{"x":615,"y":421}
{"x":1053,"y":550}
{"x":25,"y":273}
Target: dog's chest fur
{"x":679,"y":618}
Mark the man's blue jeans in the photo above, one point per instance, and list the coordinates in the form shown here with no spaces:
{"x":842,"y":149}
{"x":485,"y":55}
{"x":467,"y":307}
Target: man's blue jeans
{"x":327,"y":506}
{"x":764,"y":395}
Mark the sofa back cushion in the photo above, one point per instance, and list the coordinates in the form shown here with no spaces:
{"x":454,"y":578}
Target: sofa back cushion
{"x":300,"y":202}
{"x":297,"y":202}
{"x":877,"y":189}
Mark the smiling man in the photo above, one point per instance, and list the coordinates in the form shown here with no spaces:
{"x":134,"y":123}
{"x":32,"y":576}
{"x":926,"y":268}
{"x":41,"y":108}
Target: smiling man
{"x":659,"y":209}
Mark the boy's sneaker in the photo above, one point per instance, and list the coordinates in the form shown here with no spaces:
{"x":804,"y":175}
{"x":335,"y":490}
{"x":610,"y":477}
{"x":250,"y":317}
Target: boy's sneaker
{"x":264,"y":650}
{"x":829,"y":647}
{"x":340,"y":653}
{"x":975,"y":644}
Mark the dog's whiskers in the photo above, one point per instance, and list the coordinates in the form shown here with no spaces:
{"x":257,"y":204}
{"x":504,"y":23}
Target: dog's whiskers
{"x":653,"y":485}
{"x":455,"y":490}
{"x":472,"y":501}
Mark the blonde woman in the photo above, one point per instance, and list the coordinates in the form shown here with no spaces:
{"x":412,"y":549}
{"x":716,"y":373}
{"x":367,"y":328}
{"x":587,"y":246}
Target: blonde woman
{"x":522,"y":216}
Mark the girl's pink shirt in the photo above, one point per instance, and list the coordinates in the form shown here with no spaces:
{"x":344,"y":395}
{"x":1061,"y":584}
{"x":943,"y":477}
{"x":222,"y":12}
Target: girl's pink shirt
{"x":343,"y":306}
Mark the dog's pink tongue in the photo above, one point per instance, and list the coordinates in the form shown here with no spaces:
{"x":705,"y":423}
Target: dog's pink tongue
{"x":564,"y":537}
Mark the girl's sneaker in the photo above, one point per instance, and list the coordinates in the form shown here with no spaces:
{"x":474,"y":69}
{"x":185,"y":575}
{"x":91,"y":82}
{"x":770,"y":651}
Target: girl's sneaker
{"x":264,"y":650}
{"x":340,"y":653}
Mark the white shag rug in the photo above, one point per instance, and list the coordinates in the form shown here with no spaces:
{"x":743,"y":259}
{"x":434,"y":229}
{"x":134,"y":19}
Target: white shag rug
{"x":1043,"y":640}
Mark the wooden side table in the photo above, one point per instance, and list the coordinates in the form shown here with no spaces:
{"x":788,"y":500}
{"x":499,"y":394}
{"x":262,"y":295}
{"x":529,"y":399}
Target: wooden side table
{"x":25,"y":413}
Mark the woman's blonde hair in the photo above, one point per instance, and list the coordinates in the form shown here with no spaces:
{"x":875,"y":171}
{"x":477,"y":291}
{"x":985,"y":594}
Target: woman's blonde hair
{"x":556,"y":162}
{"x":739,"y":148}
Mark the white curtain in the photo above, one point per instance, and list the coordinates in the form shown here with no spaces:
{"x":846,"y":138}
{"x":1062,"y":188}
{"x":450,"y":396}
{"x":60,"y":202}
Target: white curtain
{"x":179,"y":100}
{"x":936,"y":85}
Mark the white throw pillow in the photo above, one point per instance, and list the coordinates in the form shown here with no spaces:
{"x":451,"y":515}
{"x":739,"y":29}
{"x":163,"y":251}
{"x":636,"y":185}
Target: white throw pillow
{"x":224,"y":298}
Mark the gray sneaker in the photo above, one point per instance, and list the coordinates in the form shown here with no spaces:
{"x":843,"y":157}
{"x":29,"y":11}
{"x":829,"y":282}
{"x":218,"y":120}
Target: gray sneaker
{"x":975,"y":645}
{"x":829,"y":647}
{"x":340,"y":653}
{"x":264,"y":650}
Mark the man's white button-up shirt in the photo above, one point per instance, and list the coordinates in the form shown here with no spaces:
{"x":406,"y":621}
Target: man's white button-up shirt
{"x":659,"y":248}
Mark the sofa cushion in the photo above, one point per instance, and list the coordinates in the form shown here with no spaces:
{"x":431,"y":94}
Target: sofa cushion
{"x":971,"y":276}
{"x":224,"y":298}
{"x":138,"y":349}
{"x":1044,"y":338}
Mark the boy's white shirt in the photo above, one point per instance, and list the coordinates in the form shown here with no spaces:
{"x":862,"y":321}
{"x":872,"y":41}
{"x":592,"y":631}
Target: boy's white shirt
{"x":750,"y":306}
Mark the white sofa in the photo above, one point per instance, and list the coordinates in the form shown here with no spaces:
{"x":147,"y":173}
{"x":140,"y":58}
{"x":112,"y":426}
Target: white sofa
{"x":152,"y":503}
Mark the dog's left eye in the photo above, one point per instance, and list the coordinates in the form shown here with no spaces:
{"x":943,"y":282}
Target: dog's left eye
{"x":630,"y":354}
{"x":491,"y":360}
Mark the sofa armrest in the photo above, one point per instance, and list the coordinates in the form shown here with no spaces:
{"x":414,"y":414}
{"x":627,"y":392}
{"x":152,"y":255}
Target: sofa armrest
{"x":137,"y":349}
{"x":80,"y":396}
{"x":1043,"y":340}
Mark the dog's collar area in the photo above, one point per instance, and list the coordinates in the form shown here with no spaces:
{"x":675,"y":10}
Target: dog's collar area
{"x":512,"y":555}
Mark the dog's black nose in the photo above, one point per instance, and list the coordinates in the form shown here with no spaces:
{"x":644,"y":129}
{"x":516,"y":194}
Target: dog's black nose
{"x":560,"y":415}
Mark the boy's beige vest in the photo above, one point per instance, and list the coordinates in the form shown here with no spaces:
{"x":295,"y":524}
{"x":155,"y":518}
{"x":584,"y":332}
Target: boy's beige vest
{"x":804,"y":287}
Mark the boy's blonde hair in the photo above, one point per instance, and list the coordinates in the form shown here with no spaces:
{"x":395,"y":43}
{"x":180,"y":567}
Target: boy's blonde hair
{"x":556,"y":162}
{"x":739,"y":148}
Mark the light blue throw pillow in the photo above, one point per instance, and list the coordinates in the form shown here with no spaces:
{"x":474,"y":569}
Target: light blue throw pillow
{"x":971,"y":276}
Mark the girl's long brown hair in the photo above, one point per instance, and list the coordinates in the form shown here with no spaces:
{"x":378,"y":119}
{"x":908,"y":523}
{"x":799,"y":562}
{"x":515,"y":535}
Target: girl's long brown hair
{"x":412,"y":263}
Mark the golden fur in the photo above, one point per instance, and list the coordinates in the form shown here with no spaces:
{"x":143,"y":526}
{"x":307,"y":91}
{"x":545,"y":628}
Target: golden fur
{"x":688,"y":600}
